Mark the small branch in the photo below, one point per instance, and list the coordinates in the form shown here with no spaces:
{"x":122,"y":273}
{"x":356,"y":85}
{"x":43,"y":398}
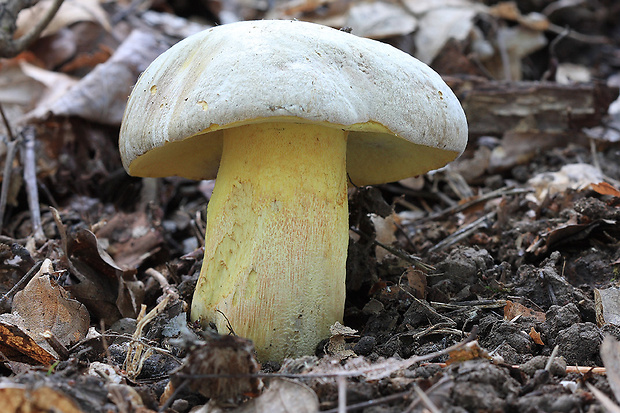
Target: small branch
{"x":35,"y":268}
{"x":30,"y":179}
{"x":464,"y":232}
{"x":6,"y":178}
{"x":10,"y":47}
{"x":8,"y":166}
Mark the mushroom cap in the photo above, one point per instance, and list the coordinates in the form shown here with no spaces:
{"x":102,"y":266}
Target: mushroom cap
{"x":403,"y":120}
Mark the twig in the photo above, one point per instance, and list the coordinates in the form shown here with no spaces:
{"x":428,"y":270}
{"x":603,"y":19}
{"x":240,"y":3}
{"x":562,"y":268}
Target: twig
{"x":425,"y":399}
{"x":498,"y":193}
{"x":463,"y":232}
{"x":8,"y":166}
{"x":373,"y":402}
{"x":35,"y":268}
{"x":30,"y":179}
{"x":163,"y":282}
{"x":342,"y":394}
{"x":10,"y":47}
{"x":56,"y":345}
{"x":136,"y":354}
{"x":413,"y":260}
{"x":64,"y":242}
{"x":552,"y":357}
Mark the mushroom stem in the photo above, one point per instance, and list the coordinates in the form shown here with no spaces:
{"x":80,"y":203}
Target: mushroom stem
{"x":277,"y":237}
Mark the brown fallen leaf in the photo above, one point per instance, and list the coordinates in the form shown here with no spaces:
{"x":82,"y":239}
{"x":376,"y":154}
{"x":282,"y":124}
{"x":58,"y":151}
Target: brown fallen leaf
{"x":512,"y":310}
{"x":604,"y":188}
{"x":470,"y":351}
{"x":44,"y":305}
{"x":105,"y":289}
{"x":536,"y":337}
{"x":41,"y":309}
{"x":417,"y":282}
{"x":132,"y":238}
{"x":16,"y":345}
{"x":336,"y":346}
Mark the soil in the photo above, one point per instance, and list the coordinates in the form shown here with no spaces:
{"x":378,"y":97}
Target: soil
{"x":472,"y":257}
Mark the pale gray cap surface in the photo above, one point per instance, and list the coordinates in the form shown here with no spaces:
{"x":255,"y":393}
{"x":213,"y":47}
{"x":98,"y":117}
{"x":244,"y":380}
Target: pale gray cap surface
{"x":403,"y":119}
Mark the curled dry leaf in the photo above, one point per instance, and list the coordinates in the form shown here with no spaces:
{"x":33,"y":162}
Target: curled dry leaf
{"x":535,"y":335}
{"x":132,"y":238}
{"x":605,"y":188}
{"x":109,"y":292}
{"x":18,"y":346}
{"x":336,"y":345}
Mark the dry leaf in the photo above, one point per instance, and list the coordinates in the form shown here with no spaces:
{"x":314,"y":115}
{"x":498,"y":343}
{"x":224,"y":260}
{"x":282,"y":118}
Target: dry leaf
{"x":604,"y":188}
{"x":572,"y":176}
{"x":40,"y":307}
{"x":44,"y":305}
{"x":535,"y":335}
{"x":15,"y":398}
{"x":417,"y":281}
{"x":102,"y":94}
{"x":109,"y":292}
{"x":470,"y":351}
{"x":132,"y":238}
{"x":568,"y":73}
{"x":336,"y":345}
{"x":379,"y":20}
{"x":512,"y":310}
{"x":440,"y":25}
{"x":385,"y":229}
{"x":70,"y":12}
{"x":18,"y":346}
{"x":419,"y":7}
{"x":56,"y":84}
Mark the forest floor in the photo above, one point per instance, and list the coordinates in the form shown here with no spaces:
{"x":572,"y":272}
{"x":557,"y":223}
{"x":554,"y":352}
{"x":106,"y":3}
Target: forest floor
{"x":490,"y":285}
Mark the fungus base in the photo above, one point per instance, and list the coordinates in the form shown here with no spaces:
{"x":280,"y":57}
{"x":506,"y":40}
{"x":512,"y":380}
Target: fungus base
{"x":277,"y":236}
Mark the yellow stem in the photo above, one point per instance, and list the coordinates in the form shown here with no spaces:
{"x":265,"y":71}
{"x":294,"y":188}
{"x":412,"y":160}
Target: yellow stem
{"x":277,"y":237}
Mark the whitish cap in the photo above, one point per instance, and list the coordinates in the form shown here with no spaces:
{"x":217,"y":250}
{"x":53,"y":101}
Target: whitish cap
{"x":403,"y":120}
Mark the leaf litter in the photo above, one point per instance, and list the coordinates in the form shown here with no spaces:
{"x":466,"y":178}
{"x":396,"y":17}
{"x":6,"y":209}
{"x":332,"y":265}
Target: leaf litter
{"x":516,"y":242}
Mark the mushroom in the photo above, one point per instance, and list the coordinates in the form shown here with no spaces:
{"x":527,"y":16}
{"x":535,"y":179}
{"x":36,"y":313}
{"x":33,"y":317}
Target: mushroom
{"x":285,"y":114}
